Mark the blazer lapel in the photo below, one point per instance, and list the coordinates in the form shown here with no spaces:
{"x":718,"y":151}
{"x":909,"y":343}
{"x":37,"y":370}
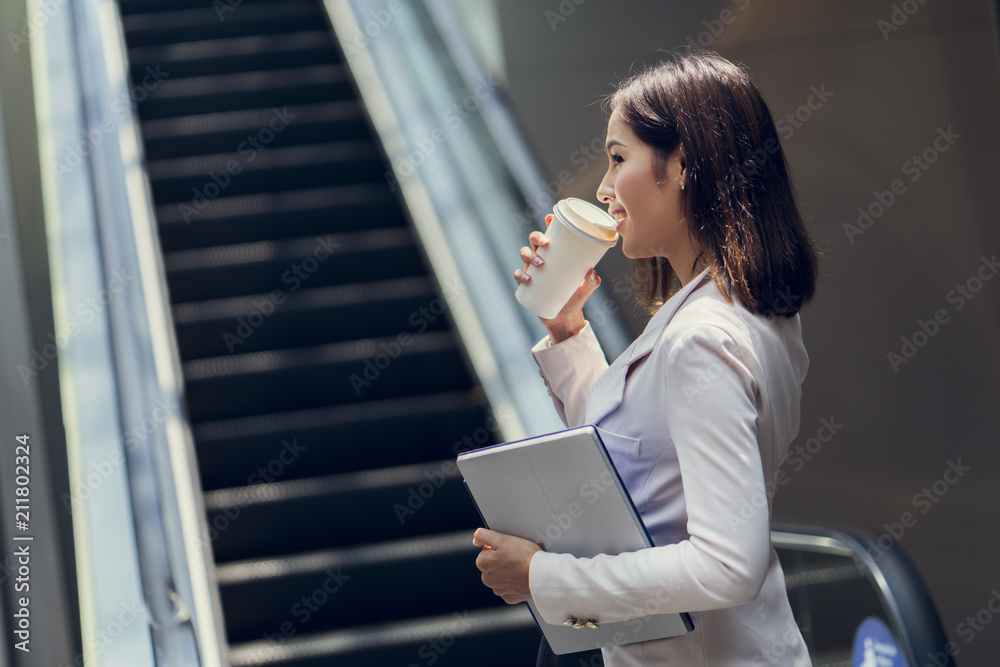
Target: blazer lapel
{"x":608,"y":391}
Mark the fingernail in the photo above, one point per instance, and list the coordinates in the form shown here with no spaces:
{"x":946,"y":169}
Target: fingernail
{"x":537,"y":261}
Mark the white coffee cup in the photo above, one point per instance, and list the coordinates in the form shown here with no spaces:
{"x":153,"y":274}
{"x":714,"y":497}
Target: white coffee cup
{"x":579,"y":235}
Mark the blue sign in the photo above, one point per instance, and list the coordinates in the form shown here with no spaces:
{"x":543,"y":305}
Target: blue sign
{"x":874,"y":646}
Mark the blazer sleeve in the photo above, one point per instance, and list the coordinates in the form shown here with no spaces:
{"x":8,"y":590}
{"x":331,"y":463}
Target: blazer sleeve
{"x":724,"y":560}
{"x":569,"y":369}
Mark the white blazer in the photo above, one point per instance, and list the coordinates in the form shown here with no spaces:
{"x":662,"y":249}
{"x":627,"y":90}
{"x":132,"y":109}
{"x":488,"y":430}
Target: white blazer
{"x":697,"y":414}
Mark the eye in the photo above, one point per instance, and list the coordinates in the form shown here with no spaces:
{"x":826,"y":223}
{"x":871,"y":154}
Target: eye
{"x":616,"y":159}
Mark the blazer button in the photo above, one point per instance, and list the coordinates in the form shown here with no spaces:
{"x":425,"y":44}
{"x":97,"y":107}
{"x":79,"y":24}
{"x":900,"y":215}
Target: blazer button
{"x":548,"y":388}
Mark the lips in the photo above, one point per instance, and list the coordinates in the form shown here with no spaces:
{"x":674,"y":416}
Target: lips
{"x":620,"y":218}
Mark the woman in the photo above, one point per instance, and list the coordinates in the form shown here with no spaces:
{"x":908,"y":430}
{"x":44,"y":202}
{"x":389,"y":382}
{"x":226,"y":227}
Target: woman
{"x":699,"y":411}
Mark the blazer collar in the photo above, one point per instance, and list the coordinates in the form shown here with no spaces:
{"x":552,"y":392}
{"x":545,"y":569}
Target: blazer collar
{"x":644,"y":344}
{"x":608,"y":391}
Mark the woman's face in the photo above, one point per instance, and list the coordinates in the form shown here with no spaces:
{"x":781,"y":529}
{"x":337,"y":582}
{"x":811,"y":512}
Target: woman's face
{"x":650,"y":216}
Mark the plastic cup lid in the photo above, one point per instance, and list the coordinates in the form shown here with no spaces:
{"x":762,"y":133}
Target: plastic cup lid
{"x":588,"y":219}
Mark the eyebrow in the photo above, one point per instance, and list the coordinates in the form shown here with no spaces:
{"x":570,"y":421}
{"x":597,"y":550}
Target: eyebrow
{"x":612,"y":143}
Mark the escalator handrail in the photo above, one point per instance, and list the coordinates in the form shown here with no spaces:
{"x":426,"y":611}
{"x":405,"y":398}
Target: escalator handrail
{"x":174,"y":555}
{"x":910,"y":611}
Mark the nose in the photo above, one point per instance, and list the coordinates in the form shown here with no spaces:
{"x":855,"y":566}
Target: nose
{"x":606,"y":190}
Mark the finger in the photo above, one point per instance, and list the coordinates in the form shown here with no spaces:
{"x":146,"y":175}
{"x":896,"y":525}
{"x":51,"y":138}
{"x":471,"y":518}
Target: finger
{"x":538,"y":240}
{"x":590,"y":283}
{"x":548,"y":220}
{"x":483,"y":565}
{"x":521,"y":276}
{"x":530,"y":258}
{"x":484,"y":537}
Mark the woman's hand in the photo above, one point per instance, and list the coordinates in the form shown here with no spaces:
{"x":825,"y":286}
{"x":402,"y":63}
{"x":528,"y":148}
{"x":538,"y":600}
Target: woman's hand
{"x":504,"y":563}
{"x":570,"y":320}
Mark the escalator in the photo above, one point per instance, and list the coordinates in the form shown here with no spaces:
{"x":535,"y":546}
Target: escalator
{"x":327,"y":391}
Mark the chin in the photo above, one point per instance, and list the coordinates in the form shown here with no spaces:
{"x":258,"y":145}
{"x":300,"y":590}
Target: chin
{"x":631,"y":254}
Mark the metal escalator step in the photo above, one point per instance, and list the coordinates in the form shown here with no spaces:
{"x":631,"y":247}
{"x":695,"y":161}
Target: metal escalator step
{"x":271,"y":215}
{"x":244,"y":90}
{"x":220,"y":19}
{"x":280,"y":517}
{"x":436,"y":574}
{"x":445,"y":641}
{"x":324,"y":122}
{"x":273,"y":361}
{"x":331,"y":417}
{"x":207,"y":13}
{"x":377,"y":309}
{"x":327,"y":297}
{"x":286,"y":249}
{"x":283,"y":267}
{"x":142,"y":6}
{"x":253,"y":571}
{"x":221,"y":84}
{"x":245,"y":120}
{"x":197,"y":182}
{"x":349,"y":372}
{"x":278,"y":492}
{"x":236,"y":54}
{"x":201,"y":166}
{"x":436,"y":427}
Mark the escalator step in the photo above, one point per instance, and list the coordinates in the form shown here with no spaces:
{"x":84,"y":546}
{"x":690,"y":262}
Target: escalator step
{"x":450,"y":640}
{"x":141,"y":6}
{"x":347,"y":372}
{"x":280,"y":517}
{"x":290,"y":264}
{"x":248,"y":119}
{"x":210,"y":433}
{"x":199,"y":166}
{"x":236,"y":54}
{"x":272,"y":215}
{"x":220,"y":20}
{"x":267,"y":251}
{"x":278,"y":320}
{"x":244,"y":90}
{"x":223,"y":132}
{"x":435,"y":574}
{"x":292,"y":445}
{"x":244,"y":366}
{"x":197,"y":182}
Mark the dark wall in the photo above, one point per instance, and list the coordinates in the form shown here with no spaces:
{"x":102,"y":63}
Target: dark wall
{"x":897,"y":89}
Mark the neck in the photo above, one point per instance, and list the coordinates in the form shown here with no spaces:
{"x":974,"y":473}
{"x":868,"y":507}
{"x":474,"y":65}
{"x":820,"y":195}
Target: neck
{"x":688,"y":267}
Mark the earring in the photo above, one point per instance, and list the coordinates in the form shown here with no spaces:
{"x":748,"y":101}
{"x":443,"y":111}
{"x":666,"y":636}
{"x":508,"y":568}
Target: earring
{"x":682,"y":185}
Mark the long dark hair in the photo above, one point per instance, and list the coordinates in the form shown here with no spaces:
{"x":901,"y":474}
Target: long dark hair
{"x":738,"y":195}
